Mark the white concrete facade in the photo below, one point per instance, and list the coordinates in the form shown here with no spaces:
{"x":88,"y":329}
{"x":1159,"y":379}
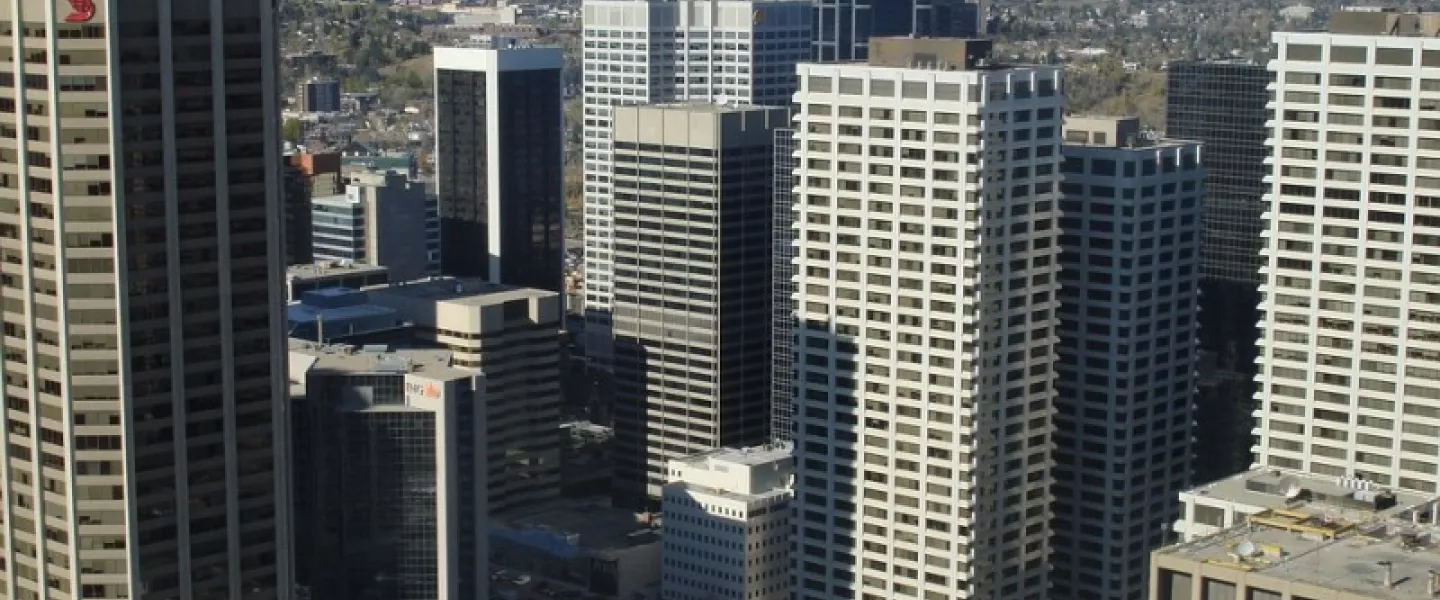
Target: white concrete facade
{"x":727,"y":526}
{"x":1350,"y":339}
{"x":926,"y":291}
{"x":657,"y":51}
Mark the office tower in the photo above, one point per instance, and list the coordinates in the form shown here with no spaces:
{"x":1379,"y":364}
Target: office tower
{"x":1223,"y":106}
{"x":692,"y":284}
{"x":389,"y":474}
{"x":782,"y":281}
{"x":1129,"y":316}
{"x":499,"y":157}
{"x":1351,"y":379}
{"x":844,"y":28}
{"x":926,"y":286}
{"x":657,"y":51}
{"x":320,"y":95}
{"x":727,"y":525}
{"x":143,"y":355}
{"x":512,"y":335}
{"x":382,"y":219}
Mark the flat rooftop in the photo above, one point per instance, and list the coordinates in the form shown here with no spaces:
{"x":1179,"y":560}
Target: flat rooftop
{"x":749,"y":457}
{"x":377,"y":359}
{"x":470,"y":292}
{"x":598,"y":526}
{"x":330,"y":269}
{"x":1320,"y":549}
{"x":1266,"y":488}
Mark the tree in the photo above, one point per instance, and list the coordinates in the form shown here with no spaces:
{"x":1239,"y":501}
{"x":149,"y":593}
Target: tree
{"x":293,"y":130}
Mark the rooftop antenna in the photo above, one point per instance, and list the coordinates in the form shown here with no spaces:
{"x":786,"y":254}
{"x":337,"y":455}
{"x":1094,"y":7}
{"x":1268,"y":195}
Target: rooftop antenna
{"x":1389,"y":573}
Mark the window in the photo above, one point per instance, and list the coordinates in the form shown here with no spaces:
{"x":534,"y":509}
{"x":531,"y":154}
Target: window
{"x":1174,"y":585}
{"x":1215,"y":589}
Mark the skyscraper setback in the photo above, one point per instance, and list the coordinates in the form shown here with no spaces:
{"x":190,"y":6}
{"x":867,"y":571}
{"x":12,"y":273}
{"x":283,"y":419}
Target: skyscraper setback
{"x":143,"y":342}
{"x":927,"y":297}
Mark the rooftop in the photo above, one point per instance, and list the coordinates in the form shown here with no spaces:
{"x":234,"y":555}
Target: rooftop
{"x":750,"y":457}
{"x":469,"y":292}
{"x":1387,"y":22}
{"x":593,"y":525}
{"x":378,"y":359}
{"x":1319,"y":548}
{"x":330,"y":269}
{"x":1268,"y":488}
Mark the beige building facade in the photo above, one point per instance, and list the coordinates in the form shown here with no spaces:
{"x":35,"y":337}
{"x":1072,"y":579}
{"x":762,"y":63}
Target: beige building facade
{"x":143,"y":338}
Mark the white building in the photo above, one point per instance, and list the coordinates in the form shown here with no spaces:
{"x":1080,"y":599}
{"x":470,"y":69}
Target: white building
{"x":727,"y":526}
{"x":1129,"y":289}
{"x":926,"y":291}
{"x":657,"y":51}
{"x":1350,"y":340}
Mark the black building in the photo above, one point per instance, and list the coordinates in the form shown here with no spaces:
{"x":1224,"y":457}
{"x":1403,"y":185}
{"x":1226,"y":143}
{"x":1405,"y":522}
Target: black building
{"x":843,"y":28}
{"x":1222,"y":104}
{"x":782,"y":350}
{"x":499,"y":162}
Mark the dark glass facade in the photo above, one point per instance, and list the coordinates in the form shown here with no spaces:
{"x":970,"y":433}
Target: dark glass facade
{"x":532,"y":203}
{"x":843,"y":28}
{"x":530,"y":206}
{"x":461,"y":167}
{"x":1222,"y":105}
{"x":782,"y":384}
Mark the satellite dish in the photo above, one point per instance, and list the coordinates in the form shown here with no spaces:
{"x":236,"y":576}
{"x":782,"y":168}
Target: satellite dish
{"x":1290,"y":487}
{"x":1246,"y":548}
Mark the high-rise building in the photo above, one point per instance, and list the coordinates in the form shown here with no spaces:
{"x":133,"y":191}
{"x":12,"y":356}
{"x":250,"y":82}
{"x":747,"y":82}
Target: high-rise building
{"x":727,"y":525}
{"x":499,"y":160}
{"x":692,"y":200}
{"x":1129,"y":316}
{"x":1223,"y":106}
{"x":389,"y":474}
{"x":1350,"y":340}
{"x":144,"y":357}
{"x":382,"y":219}
{"x":658,"y":51}
{"x":782,"y":306}
{"x":927,"y":291}
{"x":844,"y":28}
{"x":512,"y":335}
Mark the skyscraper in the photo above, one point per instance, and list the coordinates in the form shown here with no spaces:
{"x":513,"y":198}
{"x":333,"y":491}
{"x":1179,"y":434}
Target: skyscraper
{"x":1129,"y":315}
{"x":143,"y":343}
{"x":844,"y":28}
{"x":1223,"y":106}
{"x":927,"y":290}
{"x":500,"y":152}
{"x":657,"y":51}
{"x":1351,"y":336}
{"x":692,"y":188}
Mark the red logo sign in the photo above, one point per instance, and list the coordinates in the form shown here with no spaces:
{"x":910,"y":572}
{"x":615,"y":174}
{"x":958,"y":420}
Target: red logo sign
{"x":81,"y":11}
{"x":432,"y":392}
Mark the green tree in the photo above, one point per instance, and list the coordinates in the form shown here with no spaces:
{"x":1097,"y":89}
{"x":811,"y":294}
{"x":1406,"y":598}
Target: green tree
{"x":293,"y":130}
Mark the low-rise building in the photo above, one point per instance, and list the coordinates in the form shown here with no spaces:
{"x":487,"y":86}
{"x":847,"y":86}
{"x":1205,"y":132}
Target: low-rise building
{"x":329,"y":274}
{"x":1310,"y":553}
{"x":727,"y":525}
{"x":584,"y":545}
{"x":1210,"y":508}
